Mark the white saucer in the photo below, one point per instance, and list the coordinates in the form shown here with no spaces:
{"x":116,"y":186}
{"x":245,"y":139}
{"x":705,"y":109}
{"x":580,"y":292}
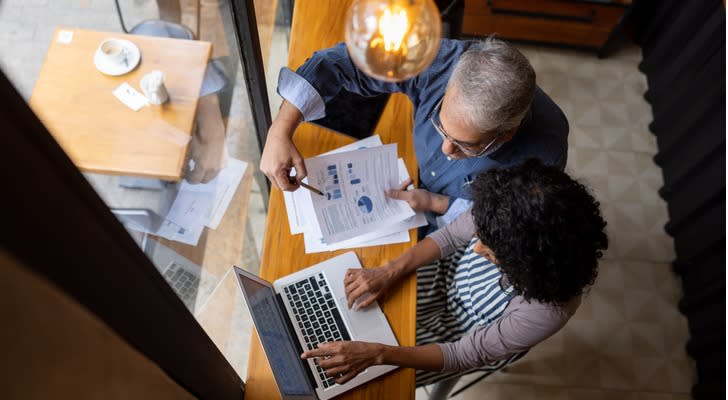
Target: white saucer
{"x":133,"y":56}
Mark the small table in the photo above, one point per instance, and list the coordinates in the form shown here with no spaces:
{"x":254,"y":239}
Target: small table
{"x":99,"y":133}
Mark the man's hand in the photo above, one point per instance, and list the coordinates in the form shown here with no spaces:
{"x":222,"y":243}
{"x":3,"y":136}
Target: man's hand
{"x":280,"y":154}
{"x":345,"y":360}
{"x":369,"y":285}
{"x":420,"y":199}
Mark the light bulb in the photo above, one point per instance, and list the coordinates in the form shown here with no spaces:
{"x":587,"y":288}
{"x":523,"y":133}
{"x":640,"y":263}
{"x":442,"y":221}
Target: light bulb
{"x":392,"y":40}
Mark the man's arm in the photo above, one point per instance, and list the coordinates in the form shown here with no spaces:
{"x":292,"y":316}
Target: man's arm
{"x":449,"y":208}
{"x":420,"y":199}
{"x":318,"y":80}
{"x":327,"y":72}
{"x":305,"y":92}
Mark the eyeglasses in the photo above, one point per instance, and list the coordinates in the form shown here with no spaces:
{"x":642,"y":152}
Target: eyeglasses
{"x":467,"y":149}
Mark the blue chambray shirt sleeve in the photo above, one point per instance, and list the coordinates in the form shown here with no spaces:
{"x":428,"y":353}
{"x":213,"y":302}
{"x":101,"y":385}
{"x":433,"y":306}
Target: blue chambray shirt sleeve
{"x":323,"y":75}
{"x":457,"y":207}
{"x":301,"y":94}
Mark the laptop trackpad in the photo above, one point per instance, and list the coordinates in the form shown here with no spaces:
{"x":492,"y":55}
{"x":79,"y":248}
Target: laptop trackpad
{"x":366,"y":323}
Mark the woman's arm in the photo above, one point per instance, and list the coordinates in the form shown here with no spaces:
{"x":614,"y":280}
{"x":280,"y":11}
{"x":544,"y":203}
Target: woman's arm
{"x":345,"y":360}
{"x":366,"y":285}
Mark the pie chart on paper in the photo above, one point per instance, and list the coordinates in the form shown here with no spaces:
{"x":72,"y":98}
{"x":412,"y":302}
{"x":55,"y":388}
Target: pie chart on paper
{"x":365,"y":204}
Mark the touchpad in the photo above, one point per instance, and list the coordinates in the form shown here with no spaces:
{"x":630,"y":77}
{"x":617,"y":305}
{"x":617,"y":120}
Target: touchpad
{"x":366,"y":322}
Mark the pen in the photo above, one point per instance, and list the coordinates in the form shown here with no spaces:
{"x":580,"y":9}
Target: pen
{"x":311,"y":188}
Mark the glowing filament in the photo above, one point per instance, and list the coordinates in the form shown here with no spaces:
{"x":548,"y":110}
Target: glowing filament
{"x":393,"y":27}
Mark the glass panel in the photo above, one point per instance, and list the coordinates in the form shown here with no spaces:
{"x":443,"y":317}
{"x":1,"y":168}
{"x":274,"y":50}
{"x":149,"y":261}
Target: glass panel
{"x":181,"y":176}
{"x":274,"y":29}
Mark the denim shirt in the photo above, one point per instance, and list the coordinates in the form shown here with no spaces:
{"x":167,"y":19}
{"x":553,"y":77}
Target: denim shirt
{"x":542,"y":134}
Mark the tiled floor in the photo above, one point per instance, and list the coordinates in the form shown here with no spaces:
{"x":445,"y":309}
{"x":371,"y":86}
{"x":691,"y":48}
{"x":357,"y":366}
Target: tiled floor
{"x":627,"y":341}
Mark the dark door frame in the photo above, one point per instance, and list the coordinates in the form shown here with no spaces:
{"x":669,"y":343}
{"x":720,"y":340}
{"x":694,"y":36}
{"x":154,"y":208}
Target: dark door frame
{"x":55,"y":223}
{"x":246,"y":32}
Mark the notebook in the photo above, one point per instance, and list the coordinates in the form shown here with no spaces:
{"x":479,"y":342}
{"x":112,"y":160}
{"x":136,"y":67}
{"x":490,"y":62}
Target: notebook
{"x":308,"y":307}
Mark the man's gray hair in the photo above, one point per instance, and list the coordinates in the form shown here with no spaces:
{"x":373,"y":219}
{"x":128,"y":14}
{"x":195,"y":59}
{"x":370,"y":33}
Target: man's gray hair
{"x":495,"y":86}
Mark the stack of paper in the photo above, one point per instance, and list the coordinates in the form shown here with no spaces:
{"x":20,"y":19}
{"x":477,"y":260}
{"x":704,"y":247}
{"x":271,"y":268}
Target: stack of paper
{"x":353,"y":211}
{"x":197,"y":206}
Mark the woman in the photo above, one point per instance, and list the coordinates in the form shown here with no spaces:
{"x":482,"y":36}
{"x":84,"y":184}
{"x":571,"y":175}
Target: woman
{"x":510,"y":274}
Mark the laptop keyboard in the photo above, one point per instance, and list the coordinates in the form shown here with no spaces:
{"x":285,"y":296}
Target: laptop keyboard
{"x":183,"y":282}
{"x":317,"y":316}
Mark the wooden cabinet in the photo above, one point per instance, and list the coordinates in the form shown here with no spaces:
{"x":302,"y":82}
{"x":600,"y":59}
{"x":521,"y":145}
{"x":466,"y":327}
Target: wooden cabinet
{"x":575,"y":23}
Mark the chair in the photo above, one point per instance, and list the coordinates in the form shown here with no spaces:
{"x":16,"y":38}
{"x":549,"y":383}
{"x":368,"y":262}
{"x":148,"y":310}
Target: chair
{"x":215,"y":79}
{"x":442,"y":389}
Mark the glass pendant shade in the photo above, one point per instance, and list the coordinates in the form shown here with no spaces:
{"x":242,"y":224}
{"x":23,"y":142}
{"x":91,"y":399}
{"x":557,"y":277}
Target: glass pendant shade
{"x":392,"y":40}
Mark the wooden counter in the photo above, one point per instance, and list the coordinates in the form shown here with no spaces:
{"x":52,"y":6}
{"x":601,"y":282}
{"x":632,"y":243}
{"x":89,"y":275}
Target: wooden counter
{"x":315,"y":26}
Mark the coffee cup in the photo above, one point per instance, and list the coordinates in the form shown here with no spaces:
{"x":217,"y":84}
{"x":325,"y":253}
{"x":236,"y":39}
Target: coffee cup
{"x":113,"y":52}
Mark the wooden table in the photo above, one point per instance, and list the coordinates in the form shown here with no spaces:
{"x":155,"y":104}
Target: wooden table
{"x":315,"y":27}
{"x":100,"y":134}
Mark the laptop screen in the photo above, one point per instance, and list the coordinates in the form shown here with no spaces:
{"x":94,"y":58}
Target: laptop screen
{"x":284,"y":359}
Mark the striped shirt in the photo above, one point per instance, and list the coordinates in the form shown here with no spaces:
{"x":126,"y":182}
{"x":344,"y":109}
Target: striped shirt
{"x":521,"y":326}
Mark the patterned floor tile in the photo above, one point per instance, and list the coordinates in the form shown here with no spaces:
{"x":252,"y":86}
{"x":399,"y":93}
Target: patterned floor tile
{"x":626,"y":186}
{"x":537,"y":392}
{"x":602,"y":99}
{"x":627,"y":335}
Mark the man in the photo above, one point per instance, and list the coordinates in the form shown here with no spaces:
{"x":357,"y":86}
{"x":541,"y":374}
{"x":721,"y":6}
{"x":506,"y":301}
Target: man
{"x":532,"y":241}
{"x":476,"y":107}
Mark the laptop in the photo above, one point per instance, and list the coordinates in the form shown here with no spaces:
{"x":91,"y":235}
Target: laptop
{"x":308,"y":307}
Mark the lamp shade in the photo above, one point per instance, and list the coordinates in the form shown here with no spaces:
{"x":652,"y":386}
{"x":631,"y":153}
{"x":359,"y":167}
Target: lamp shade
{"x":392,"y":40}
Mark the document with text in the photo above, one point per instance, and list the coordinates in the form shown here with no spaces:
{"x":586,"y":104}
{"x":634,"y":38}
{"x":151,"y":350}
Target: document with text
{"x":397,"y":233}
{"x":353,"y":185}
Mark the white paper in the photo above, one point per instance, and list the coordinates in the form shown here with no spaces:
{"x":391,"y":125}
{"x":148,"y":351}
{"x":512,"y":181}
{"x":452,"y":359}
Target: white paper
{"x":197,"y":206}
{"x":298,"y":204}
{"x":398,"y":233}
{"x":130,"y":97}
{"x":227,"y":184}
{"x":64,"y":36}
{"x":296,"y":209}
{"x":189,"y":213}
{"x":316,"y":245}
{"x":302,"y":218}
{"x":353,"y":183}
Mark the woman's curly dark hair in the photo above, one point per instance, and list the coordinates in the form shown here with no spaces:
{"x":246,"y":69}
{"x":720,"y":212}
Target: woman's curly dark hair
{"x":544,"y":228}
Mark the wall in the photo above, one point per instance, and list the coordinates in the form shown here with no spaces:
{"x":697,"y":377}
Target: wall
{"x":54,"y":348}
{"x":683,"y":44}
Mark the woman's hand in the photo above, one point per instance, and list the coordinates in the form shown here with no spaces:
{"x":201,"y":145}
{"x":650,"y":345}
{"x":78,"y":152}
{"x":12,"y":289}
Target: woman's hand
{"x":365,"y":286}
{"x":345,"y":360}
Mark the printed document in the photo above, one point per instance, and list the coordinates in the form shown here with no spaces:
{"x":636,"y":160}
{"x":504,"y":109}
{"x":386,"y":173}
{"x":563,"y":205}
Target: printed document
{"x":200,"y":205}
{"x":299,"y":208}
{"x":353,"y":184}
{"x":398,"y":233}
